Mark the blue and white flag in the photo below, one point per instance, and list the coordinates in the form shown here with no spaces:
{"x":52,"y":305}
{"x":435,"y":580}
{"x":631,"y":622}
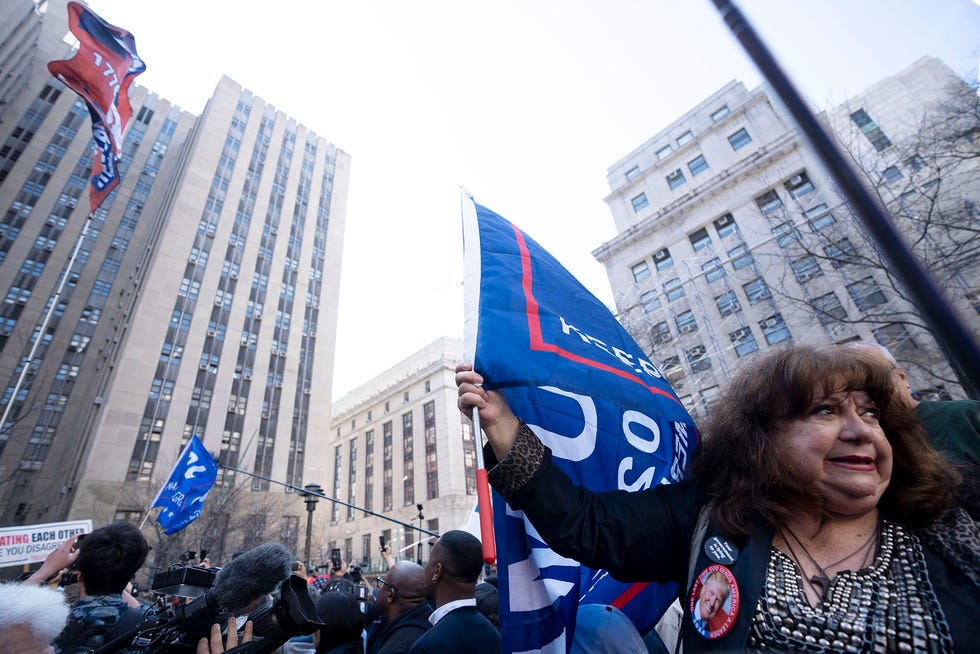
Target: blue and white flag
{"x":182,"y":497}
{"x":578,"y":379}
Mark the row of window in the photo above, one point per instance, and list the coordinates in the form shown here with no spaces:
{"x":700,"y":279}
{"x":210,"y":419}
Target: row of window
{"x":696,"y":166}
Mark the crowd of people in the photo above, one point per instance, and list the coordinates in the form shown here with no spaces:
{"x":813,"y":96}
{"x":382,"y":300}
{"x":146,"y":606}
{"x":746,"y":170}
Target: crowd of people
{"x":827,"y":510}
{"x":410,"y":609}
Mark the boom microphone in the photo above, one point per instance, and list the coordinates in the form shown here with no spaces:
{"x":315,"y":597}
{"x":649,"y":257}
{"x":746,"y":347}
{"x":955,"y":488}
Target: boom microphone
{"x":251,"y":575}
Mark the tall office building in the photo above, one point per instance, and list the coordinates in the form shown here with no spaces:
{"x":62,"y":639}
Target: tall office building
{"x":733,"y":240}
{"x":201,"y":297}
{"x":398,"y":443}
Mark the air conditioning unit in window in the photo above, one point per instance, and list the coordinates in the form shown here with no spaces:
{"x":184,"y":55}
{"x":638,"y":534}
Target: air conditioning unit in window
{"x":233,"y":275}
{"x":217,"y":301}
{"x":660,"y":255}
{"x":212,"y":332}
{"x":278,"y":384}
{"x":796,"y":180}
{"x":258,"y":315}
{"x":247,"y":377}
{"x":203,"y":366}
{"x":306,"y":391}
{"x":265,"y":415}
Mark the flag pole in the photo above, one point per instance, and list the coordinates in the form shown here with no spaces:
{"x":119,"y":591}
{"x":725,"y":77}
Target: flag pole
{"x":66,"y":273}
{"x":483,"y":497}
{"x":948,"y":329}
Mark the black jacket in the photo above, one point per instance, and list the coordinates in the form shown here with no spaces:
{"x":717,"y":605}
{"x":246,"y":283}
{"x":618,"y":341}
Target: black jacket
{"x":398,"y":635}
{"x":461,"y":630}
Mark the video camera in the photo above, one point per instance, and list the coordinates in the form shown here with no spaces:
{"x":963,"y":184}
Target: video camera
{"x":233,"y":590}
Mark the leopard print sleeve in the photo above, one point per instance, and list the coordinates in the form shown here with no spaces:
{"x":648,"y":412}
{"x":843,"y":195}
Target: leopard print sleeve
{"x":520,"y":464}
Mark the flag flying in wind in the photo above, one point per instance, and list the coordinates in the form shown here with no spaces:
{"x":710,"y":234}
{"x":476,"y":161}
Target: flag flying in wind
{"x":577,"y":378}
{"x":101,"y":72}
{"x":182,"y":497}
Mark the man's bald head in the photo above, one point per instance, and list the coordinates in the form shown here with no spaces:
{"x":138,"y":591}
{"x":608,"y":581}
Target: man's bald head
{"x":901,"y":386}
{"x":404,"y":589}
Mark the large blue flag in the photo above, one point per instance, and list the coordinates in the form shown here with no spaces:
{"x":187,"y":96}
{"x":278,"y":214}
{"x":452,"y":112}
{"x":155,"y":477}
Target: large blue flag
{"x":577,"y":378}
{"x":182,"y":497}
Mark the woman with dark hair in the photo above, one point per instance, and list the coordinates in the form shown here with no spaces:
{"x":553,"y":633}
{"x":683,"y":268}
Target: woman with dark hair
{"x":819,"y":501}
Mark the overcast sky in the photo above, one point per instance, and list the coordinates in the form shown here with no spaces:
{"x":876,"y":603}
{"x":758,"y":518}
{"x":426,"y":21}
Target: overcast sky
{"x":523,"y":102}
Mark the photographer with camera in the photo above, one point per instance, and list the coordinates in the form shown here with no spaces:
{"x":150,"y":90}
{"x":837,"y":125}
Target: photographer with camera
{"x":107,"y":558}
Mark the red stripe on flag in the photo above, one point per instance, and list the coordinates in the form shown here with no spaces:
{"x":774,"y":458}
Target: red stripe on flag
{"x":629,"y":594}
{"x":537,"y":338}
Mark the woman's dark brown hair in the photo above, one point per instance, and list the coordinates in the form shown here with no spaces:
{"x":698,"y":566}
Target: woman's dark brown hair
{"x":745,"y":472}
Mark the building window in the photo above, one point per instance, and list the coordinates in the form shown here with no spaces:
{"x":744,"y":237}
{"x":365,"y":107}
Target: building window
{"x":718,"y":114}
{"x":673,"y":289}
{"x":806,"y":268}
{"x":740,"y":139}
{"x":786,"y":233}
{"x":740,"y":256}
{"x":676,"y":179}
{"x":915,"y":163}
{"x":641,"y":271}
{"x":743,"y":341}
{"x":698,"y":358}
{"x":769,"y":201}
{"x":896,"y":337}
{"x":819,"y":217}
{"x":871,"y":130}
{"x":799,"y":185}
{"x":660,"y":333}
{"x":431,"y":462}
{"x":697,"y":165}
{"x":866,"y":293}
{"x":713,"y":270}
{"x":686,"y":323}
{"x":640,"y":202}
{"x":727,"y":303}
{"x":828,"y":308}
{"x":686,"y":137}
{"x":841,"y":252}
{"x":632,"y":173}
{"x":650,"y":301}
{"x":671,"y":368}
{"x":664,"y":152}
{"x":774,"y":329}
{"x":756,"y":290}
{"x":891,"y":175}
{"x":700,"y":239}
{"x":662,"y":260}
{"x":725,"y":225}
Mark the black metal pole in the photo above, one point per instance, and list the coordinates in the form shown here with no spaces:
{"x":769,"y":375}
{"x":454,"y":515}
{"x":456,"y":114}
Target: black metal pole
{"x":947,"y":327}
{"x":325,"y":497}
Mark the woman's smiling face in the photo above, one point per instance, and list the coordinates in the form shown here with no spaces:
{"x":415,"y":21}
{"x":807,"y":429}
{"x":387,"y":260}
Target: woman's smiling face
{"x":840,"y":447}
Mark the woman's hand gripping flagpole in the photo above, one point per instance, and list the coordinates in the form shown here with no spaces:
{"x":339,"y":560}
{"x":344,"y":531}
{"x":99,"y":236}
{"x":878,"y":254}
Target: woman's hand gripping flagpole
{"x":500,"y":426}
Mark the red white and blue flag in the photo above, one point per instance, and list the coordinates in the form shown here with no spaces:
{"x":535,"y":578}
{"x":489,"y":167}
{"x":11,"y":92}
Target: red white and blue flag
{"x":101,"y":72}
{"x":578,"y":379}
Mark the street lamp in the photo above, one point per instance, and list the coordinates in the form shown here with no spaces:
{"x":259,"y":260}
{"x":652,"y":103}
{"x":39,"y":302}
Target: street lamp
{"x":419,"y":536}
{"x":311,"y":495}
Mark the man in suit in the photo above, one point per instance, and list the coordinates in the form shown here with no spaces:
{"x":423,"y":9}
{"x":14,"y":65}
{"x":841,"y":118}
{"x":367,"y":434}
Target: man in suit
{"x":454,"y":565}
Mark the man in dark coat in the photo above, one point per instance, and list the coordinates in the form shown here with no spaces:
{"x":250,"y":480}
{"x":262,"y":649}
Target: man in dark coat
{"x":454,"y":566}
{"x":404,"y":612}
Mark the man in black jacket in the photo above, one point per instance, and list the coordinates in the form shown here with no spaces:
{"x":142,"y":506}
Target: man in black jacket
{"x":455,"y":563}
{"x":403,"y":609}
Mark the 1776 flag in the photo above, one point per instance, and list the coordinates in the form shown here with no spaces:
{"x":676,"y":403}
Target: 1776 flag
{"x":182,"y":497}
{"x":101,"y":72}
{"x":588,"y":391}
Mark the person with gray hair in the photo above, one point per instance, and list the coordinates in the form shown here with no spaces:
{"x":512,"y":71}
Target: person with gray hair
{"x":31,"y":617}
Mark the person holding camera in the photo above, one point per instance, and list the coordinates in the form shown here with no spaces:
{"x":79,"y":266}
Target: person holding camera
{"x":107,"y":559}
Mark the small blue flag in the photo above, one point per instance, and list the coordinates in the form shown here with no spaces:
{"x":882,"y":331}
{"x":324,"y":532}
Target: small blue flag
{"x":182,"y":497}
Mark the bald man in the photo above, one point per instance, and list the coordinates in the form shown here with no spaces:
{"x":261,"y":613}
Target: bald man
{"x":454,"y":566}
{"x":401,"y":602}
